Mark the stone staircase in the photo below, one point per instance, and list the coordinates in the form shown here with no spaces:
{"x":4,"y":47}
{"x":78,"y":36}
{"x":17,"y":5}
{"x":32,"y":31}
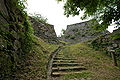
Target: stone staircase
{"x":62,"y":66}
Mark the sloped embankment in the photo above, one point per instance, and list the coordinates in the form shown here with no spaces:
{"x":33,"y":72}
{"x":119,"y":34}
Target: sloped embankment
{"x":98,"y":66}
{"x":36,"y":62}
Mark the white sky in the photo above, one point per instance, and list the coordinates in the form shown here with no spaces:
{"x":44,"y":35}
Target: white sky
{"x":54,"y":13}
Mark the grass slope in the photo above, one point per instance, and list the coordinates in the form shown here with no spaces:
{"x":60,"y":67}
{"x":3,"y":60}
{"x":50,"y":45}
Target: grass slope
{"x":36,"y":63}
{"x":99,"y":66}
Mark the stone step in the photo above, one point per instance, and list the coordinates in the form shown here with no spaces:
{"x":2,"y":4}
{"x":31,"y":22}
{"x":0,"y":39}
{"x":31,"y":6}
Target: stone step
{"x":65,"y":61}
{"x":61,"y":58}
{"x":57,"y":74}
{"x":60,"y":54}
{"x":75,"y":68}
{"x":65,"y":64}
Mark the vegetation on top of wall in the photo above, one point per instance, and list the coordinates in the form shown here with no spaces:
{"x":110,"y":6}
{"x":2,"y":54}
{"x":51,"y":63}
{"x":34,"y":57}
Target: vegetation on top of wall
{"x":24,"y":28}
{"x":116,"y":35}
{"x":106,"y":43}
{"x":106,"y":11}
{"x":63,"y":31}
{"x":39,"y":18}
{"x":28,"y":28}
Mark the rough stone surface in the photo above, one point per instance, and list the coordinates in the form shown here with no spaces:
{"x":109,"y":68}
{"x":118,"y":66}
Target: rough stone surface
{"x":10,"y":39}
{"x":44,"y":31}
{"x":80,"y":32}
{"x":107,"y":43}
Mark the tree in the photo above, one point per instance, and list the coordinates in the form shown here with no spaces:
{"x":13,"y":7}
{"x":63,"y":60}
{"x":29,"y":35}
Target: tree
{"x":63,"y":31}
{"x":106,"y":11}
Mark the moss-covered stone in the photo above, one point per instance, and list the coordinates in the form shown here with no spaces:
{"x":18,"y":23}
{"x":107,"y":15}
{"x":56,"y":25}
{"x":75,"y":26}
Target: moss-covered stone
{"x":15,"y":38}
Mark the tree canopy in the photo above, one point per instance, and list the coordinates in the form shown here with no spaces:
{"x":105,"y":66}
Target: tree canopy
{"x":106,"y":11}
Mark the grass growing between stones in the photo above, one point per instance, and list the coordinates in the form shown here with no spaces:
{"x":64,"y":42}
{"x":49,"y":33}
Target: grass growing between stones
{"x":97,"y":63}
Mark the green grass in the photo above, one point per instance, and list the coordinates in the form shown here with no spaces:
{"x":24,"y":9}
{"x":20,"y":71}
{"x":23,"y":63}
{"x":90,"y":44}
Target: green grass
{"x":37,"y":60}
{"x":96,"y":62}
{"x":99,"y":66}
{"x":63,"y":42}
{"x":77,"y":75}
{"x":116,"y":79}
{"x":47,"y":46}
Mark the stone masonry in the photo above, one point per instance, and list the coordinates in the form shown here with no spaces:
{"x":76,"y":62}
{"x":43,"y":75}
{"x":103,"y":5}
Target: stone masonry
{"x":80,"y":32}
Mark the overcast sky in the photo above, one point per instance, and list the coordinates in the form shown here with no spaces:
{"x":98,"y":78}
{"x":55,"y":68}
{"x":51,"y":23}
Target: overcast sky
{"x":53,"y":12}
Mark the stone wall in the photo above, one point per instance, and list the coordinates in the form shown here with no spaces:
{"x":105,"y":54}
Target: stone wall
{"x":44,"y":31}
{"x":13,"y":29}
{"x":80,"y":32}
{"x":106,"y":43}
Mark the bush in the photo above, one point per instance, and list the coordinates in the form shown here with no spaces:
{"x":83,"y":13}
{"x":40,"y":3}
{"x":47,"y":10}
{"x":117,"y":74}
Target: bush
{"x":39,"y":17}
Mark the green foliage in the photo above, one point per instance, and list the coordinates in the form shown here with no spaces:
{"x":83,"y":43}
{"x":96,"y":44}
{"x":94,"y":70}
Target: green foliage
{"x":97,"y":26}
{"x":72,"y":37}
{"x":116,"y":36}
{"x":67,"y":36}
{"x":102,"y":44}
{"x":107,"y":11}
{"x":20,"y":4}
{"x":63,"y":31}
{"x":118,"y":50}
{"x":75,"y":30}
{"x":78,"y":33}
{"x":98,"y":44}
{"x":39,"y":17}
{"x":24,"y":28}
{"x":16,"y":39}
{"x":116,"y":78}
{"x":28,"y":34}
